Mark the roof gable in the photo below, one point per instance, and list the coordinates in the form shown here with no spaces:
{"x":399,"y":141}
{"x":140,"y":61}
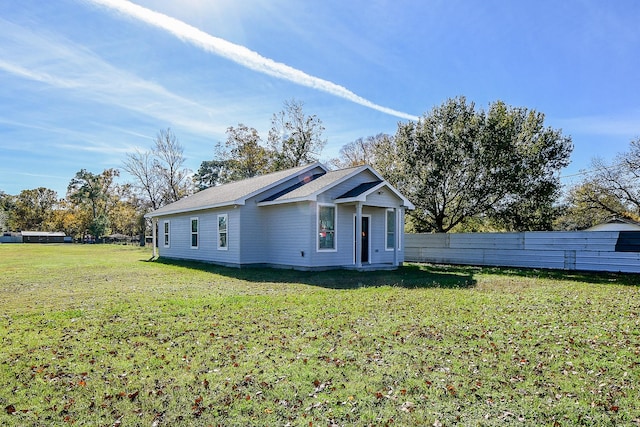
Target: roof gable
{"x":310,"y":191}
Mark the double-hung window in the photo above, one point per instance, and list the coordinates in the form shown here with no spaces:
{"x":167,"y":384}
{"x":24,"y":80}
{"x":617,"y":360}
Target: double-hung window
{"x":166,"y":231}
{"x":326,"y":227}
{"x":194,"y":233}
{"x":391,"y":229}
{"x":223,"y":232}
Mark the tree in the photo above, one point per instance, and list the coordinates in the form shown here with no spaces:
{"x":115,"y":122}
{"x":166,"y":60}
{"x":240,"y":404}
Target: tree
{"x":141,"y":165}
{"x":610,"y":190}
{"x":70,"y":218}
{"x":159,"y":175}
{"x":6,"y":210}
{"x":94,"y":193}
{"x":537,"y":156}
{"x":294,"y":138}
{"x":588,"y":204}
{"x":169,"y":161}
{"x":32,"y":208}
{"x":456,"y":163}
{"x":362,"y":151}
{"x":212,"y":173}
{"x":241,"y":156}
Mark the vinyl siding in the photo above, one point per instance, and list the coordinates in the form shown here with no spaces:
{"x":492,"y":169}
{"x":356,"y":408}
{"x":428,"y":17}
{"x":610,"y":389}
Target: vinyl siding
{"x":253,"y":234}
{"x":180,"y":237}
{"x":289,"y":234}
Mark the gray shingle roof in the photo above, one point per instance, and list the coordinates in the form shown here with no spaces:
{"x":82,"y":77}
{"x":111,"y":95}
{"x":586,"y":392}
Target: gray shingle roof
{"x":231,"y":193}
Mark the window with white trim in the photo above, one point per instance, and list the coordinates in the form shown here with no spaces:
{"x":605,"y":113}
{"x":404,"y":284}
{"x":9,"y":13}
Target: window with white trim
{"x":326,"y":227}
{"x":390,"y":229}
{"x":194,"y":233}
{"x":166,"y":231}
{"x":223,"y":232}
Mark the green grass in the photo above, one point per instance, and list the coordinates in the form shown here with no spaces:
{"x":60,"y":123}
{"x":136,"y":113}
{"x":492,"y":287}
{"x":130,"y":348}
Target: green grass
{"x":97,"y":335}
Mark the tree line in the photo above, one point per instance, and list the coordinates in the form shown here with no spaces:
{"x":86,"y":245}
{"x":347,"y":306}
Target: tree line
{"x":465,"y":168}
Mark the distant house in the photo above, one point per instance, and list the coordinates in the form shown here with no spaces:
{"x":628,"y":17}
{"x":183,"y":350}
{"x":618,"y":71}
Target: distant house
{"x":43,"y":237}
{"x":305,"y":218}
{"x":616,"y":224}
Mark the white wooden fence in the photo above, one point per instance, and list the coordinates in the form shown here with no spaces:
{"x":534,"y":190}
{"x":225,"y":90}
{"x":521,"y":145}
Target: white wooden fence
{"x":615,"y":251}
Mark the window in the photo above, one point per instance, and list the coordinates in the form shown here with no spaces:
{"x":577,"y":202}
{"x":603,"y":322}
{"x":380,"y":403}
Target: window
{"x":391,"y":229}
{"x":326,"y":227}
{"x":223,"y":232}
{"x":166,"y":234}
{"x":194,"y":233}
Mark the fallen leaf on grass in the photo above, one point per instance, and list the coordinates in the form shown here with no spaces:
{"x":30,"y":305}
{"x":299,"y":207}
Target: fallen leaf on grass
{"x":408,"y":407}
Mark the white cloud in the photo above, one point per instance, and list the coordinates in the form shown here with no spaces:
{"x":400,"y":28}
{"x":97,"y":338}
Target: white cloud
{"x":61,"y":64}
{"x":240,"y":54}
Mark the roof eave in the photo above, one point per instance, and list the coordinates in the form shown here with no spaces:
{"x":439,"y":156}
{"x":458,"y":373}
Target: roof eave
{"x":154,"y":214}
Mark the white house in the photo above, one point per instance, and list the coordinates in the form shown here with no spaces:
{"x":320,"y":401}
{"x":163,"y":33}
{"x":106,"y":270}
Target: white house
{"x":305,"y":218}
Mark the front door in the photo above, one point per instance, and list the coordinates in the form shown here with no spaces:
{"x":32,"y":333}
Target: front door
{"x":364,"y":254}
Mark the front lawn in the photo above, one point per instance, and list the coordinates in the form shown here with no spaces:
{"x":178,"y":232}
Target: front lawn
{"x":97,"y":335}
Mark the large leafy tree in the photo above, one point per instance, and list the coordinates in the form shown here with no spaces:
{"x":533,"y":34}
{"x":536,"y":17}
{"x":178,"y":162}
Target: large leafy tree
{"x":537,"y":153}
{"x":295,"y":138}
{"x":33,"y":208}
{"x":95,"y":193}
{"x":457,"y":163}
{"x":245,"y":153}
{"x":240,"y":156}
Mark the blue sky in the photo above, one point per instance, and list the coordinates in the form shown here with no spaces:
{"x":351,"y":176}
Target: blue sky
{"x":83,"y":82}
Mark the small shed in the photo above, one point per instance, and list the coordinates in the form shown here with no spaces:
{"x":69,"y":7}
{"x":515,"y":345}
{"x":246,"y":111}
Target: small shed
{"x":43,"y":237}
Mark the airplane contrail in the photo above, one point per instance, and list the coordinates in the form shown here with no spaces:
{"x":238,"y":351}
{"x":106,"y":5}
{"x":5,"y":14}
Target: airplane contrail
{"x":240,"y":54}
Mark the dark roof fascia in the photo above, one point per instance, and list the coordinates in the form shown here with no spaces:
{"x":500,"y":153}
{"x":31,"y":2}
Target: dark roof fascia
{"x":291,"y":188}
{"x":314,"y":195}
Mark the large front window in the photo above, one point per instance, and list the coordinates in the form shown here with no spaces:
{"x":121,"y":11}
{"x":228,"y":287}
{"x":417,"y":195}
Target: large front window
{"x":223,"y":232}
{"x":326,"y":227}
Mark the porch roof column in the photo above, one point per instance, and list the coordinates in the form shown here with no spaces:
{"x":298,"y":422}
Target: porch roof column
{"x":358,"y":234}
